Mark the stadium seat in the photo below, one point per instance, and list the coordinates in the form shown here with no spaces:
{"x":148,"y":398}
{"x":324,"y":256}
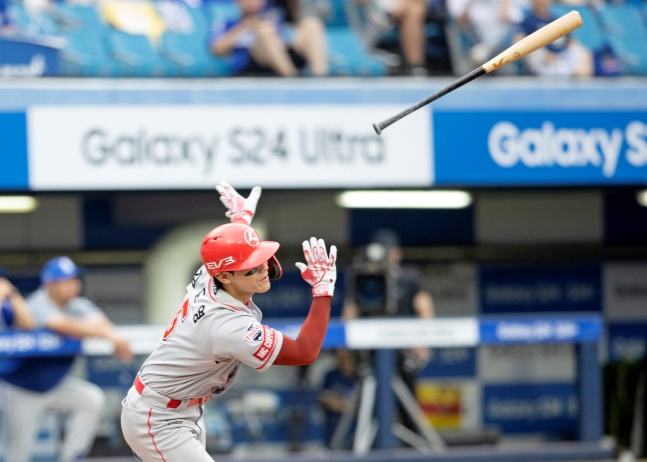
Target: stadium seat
{"x":626,"y":32}
{"x":348,"y":55}
{"x":139,"y":57}
{"x":191,"y":52}
{"x":84,"y":19}
{"x":86,"y":56}
{"x":590,"y":34}
{"x":337,"y":15}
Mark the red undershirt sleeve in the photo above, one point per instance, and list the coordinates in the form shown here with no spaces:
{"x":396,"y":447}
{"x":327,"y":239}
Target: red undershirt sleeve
{"x":305,"y":349}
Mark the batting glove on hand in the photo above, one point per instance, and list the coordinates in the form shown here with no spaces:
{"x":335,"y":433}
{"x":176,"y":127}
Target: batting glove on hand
{"x":237,"y":206}
{"x":321,"y":270}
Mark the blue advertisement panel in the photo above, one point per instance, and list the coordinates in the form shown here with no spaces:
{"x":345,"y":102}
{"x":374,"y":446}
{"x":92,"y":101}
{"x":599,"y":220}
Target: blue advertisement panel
{"x":626,"y":340}
{"x":550,"y":408}
{"x":521,"y":289}
{"x":29,"y":56}
{"x":13,"y":151}
{"x":451,"y":363}
{"x":540,"y":330}
{"x":540,"y":147}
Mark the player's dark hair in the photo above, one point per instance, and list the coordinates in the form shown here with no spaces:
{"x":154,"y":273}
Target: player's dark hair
{"x":218,"y":285}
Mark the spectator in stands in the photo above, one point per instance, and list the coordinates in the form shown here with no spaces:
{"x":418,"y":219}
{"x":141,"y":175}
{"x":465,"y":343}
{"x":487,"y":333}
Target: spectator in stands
{"x":44,"y":383}
{"x":564,"y":57}
{"x":15,"y":314}
{"x":487,"y":24}
{"x":409,"y":16}
{"x":6,"y":25}
{"x":258,"y":42}
{"x":336,"y":395}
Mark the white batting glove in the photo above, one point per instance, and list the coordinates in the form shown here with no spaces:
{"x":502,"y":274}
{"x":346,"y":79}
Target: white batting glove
{"x":237,"y":206}
{"x":321,"y":269}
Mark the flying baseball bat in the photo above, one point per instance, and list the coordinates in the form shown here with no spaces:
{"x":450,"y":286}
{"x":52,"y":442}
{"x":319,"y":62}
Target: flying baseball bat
{"x":540,"y":38}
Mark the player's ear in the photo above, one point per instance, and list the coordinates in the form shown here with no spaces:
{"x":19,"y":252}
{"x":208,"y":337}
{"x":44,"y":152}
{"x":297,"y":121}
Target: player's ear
{"x":223,"y":278}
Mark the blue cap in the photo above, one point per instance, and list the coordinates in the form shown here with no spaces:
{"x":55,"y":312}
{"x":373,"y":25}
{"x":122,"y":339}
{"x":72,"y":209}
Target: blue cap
{"x":59,"y":269}
{"x":3,"y":272}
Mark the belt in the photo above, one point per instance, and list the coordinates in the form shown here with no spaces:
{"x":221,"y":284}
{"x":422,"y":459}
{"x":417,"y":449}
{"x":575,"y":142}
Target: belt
{"x":171,"y":403}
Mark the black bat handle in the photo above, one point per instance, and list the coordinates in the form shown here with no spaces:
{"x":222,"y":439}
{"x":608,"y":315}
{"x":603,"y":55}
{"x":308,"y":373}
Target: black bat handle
{"x":449,"y":88}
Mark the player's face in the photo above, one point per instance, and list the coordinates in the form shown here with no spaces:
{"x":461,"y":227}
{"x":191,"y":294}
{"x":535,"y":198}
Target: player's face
{"x":251,"y":281}
{"x":64,"y":291}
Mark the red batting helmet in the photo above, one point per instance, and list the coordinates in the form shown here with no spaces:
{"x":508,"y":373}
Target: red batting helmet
{"x":236,"y":246}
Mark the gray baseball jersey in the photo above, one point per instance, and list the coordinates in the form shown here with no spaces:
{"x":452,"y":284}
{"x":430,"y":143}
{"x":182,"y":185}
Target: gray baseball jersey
{"x":203,"y":347}
{"x":44,"y":309}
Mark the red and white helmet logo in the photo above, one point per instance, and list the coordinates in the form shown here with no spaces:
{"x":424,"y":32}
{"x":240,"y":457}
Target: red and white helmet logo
{"x":252,"y":238}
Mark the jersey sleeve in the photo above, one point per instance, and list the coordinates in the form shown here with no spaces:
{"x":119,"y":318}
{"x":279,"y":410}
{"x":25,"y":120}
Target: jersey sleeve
{"x":242,"y":337}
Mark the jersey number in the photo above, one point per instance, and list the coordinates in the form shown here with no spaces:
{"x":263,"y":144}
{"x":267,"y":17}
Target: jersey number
{"x":181,"y":315}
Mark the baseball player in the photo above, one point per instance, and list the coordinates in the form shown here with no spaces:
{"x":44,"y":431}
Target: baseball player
{"x":216,"y":330}
{"x":45,"y":383}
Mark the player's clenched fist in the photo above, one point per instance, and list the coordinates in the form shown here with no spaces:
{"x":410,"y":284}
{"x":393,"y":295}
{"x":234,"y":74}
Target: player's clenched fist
{"x":320,"y":270}
{"x":238,"y":207}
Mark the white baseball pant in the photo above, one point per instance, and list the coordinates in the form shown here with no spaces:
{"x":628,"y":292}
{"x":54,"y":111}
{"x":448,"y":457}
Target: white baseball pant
{"x":157,"y":433}
{"x":84,"y":401}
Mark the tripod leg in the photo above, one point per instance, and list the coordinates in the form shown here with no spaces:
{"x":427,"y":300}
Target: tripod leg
{"x":365,"y":431}
{"x":411,"y":407}
{"x":341,"y":430}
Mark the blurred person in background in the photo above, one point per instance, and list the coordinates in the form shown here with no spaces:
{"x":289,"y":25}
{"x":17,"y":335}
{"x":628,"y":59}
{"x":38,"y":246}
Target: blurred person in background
{"x":336,"y":394}
{"x":45,"y":383}
{"x":15,"y":314}
{"x":487,"y":24}
{"x":258,"y":42}
{"x":410,"y":17}
{"x":411,"y":299}
{"x":6,"y":24}
{"x":565,"y":57}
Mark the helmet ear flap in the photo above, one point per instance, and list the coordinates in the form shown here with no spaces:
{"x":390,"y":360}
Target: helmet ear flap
{"x":274,"y":268}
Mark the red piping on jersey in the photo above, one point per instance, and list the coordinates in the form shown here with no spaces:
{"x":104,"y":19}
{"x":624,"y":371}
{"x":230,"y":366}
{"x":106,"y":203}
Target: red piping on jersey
{"x":150,"y":412}
{"x":231,"y":306}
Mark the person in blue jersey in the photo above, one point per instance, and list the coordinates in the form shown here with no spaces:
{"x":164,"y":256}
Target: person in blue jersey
{"x":45,"y":383}
{"x":13,"y":308}
{"x":565,"y":57}
{"x":258,"y":42}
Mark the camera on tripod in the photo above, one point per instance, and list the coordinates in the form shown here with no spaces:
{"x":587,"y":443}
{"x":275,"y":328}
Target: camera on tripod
{"x":375,"y":282}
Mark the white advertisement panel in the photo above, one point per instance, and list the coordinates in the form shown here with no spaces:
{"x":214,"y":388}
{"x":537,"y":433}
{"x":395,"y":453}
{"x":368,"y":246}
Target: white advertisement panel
{"x":409,"y":333}
{"x":527,"y":363}
{"x":193,"y":147}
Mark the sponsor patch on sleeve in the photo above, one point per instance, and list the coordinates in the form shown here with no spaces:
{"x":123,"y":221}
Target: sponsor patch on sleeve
{"x":268,"y":345}
{"x":254,"y":333}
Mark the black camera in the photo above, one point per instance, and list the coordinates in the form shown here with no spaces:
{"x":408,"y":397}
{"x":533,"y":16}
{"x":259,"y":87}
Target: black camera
{"x":374,"y":282}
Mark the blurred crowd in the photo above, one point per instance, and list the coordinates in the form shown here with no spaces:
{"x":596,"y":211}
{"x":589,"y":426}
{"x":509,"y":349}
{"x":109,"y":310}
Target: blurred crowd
{"x":407,"y":37}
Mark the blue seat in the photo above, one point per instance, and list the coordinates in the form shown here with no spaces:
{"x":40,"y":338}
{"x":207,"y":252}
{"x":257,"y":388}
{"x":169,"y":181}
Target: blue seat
{"x":626,"y":32}
{"x":220,"y":10}
{"x":347,"y":55}
{"x":86,"y":56}
{"x":191,"y":52}
{"x":44,"y":24}
{"x":590,"y":34}
{"x":139,"y":57}
{"x":84,"y":19}
{"x":337,"y":15}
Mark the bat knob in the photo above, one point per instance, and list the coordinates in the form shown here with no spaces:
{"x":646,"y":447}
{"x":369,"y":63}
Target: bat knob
{"x":377,"y":129}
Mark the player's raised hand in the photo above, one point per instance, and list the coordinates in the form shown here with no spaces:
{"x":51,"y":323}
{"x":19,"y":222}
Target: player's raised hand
{"x":320,"y":270}
{"x":238,"y":207}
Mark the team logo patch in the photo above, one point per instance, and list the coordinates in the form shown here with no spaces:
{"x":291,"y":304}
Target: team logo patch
{"x":254,"y":333}
{"x":267,"y":347}
{"x":252,"y":238}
